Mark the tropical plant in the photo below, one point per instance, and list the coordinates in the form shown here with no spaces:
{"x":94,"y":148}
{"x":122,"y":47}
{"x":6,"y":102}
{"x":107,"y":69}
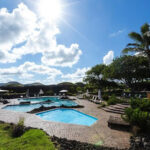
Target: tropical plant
{"x":139,"y":114}
{"x":142,"y":42}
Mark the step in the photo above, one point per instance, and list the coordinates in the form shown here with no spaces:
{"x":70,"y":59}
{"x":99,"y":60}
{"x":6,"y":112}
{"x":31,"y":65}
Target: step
{"x":116,"y":109}
{"x":121,"y":105}
{"x":112,"y":111}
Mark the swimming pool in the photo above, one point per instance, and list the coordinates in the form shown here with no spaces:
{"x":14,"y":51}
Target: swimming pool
{"x":70,"y":116}
{"x":55,"y":101}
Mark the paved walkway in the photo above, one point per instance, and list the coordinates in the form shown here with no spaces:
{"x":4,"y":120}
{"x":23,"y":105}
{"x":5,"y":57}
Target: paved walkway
{"x":97,"y":133}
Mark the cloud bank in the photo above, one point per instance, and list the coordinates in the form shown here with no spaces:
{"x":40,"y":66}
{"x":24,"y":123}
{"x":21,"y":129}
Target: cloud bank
{"x":76,"y":76}
{"x":22,"y":32}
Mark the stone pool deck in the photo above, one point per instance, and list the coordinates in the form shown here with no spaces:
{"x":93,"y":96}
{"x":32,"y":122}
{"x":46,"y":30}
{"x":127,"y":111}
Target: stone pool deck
{"x":97,"y":133}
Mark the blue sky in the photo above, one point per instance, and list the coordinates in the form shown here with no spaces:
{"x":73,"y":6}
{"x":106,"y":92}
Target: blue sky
{"x":51,"y":42}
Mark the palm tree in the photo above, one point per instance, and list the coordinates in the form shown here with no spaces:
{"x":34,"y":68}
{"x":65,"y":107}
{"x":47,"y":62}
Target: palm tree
{"x":141,"y":42}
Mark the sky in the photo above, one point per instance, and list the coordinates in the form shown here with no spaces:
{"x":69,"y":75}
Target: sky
{"x":57,"y":41}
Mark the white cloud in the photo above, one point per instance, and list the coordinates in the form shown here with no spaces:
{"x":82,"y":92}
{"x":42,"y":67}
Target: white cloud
{"x":23,"y":32}
{"x":15,"y":26}
{"x":27,"y":73}
{"x":76,"y":76}
{"x":28,"y":70}
{"x":108,"y":58}
{"x":116,"y":33}
{"x":62,"y":56}
{"x":39,"y":36}
{"x":3,"y":79}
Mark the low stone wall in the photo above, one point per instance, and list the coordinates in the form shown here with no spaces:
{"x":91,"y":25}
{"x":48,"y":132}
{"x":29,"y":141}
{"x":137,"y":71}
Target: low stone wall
{"x":64,"y":144}
{"x":4,"y":101}
{"x":24,"y":103}
{"x":140,"y":142}
{"x":42,"y":108}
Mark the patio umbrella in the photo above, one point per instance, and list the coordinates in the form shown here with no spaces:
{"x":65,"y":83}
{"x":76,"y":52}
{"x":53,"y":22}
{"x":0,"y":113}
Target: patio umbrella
{"x":63,"y":91}
{"x":87,"y":92}
{"x":41,"y":92}
{"x":99,"y":94}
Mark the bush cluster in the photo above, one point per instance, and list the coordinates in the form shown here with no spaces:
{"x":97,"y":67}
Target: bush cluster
{"x":114,"y":100}
{"x":139,"y":114}
{"x":105,"y":97}
{"x":19,"y":129}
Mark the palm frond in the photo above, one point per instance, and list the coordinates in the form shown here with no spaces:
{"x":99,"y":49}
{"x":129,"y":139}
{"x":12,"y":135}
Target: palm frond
{"x":134,"y":44}
{"x":130,"y":49}
{"x":136,"y":37}
{"x":126,"y":50}
{"x":145,"y":28}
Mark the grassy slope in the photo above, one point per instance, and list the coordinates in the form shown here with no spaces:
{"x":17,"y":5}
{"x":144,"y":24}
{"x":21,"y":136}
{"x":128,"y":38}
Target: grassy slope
{"x":33,"y":139}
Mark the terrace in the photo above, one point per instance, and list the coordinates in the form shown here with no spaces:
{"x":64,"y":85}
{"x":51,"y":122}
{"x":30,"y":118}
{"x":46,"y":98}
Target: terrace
{"x":99,"y":133}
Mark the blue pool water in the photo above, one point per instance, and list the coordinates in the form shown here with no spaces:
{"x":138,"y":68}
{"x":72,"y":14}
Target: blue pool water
{"x":26,"y":108}
{"x":67,"y":116}
{"x":22,"y":108}
{"x":41,"y":99}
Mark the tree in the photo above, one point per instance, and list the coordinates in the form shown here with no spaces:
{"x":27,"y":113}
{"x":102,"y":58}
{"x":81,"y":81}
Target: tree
{"x":129,"y":70}
{"x":142,"y":42}
{"x":94,"y":77}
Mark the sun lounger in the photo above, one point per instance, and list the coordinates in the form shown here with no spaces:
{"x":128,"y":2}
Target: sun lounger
{"x":96,"y":100}
{"x":92,"y":99}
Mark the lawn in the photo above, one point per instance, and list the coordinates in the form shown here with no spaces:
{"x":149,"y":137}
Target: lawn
{"x":33,"y":139}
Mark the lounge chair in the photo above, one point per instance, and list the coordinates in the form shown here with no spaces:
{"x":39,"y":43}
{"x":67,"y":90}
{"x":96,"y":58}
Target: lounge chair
{"x":92,"y":99}
{"x":96,"y":100}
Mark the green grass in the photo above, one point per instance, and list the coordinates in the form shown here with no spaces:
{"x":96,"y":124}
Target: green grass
{"x":33,"y":139}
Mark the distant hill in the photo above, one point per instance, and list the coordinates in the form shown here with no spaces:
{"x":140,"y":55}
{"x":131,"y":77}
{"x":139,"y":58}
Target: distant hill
{"x":80,"y":84}
{"x":17,"y":84}
{"x":17,"y":89}
{"x":1,"y":84}
{"x":34,"y":84}
{"x":13,"y":84}
{"x":65,"y":83}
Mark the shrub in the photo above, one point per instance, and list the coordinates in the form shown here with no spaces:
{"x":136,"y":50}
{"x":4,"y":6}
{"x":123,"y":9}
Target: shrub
{"x":138,"y":118}
{"x":114,"y":100}
{"x":105,"y":97}
{"x":19,"y":129}
{"x":49,"y":92}
{"x":139,"y":114}
{"x":142,"y":104}
{"x":102,"y":105}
